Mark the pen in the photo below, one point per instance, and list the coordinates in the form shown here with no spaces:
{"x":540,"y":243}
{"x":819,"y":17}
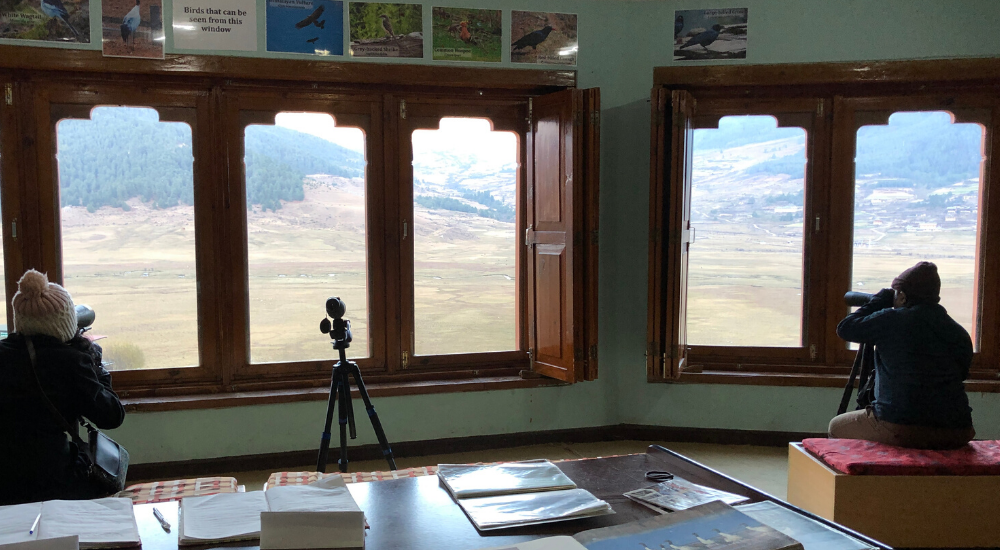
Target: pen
{"x":35,"y":524}
{"x":163,"y":522}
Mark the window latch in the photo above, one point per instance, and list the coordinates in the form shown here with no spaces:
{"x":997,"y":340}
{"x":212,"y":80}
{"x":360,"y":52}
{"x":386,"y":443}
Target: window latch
{"x":405,"y":229}
{"x":529,"y":236}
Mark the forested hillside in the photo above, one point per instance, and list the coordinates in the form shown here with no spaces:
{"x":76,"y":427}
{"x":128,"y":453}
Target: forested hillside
{"x":123,"y":153}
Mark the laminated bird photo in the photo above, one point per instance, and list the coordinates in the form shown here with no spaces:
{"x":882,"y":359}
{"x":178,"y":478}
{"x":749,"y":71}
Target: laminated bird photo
{"x":701,"y":35}
{"x":305,"y":26}
{"x":53,"y":20}
{"x":542,"y":37}
{"x":386,"y":30}
{"x":462,"y":34}
{"x":132,"y":28}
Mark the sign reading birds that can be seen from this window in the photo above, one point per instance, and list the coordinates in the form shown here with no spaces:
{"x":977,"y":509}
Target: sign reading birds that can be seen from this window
{"x":305,"y":26}
{"x":461,"y":34}
{"x":704,"y":35}
{"x":215,"y":25}
{"x":54,"y":20}
{"x":131,"y":28}
{"x":541,"y":37}
{"x":386,"y":30}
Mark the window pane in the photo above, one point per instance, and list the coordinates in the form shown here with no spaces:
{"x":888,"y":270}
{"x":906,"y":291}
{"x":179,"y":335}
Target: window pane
{"x":127,"y":195}
{"x":305,"y":235}
{"x":465,"y":197}
{"x":745,"y":264}
{"x":917,"y":198}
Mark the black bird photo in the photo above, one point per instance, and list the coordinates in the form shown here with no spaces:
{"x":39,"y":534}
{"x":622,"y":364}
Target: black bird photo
{"x":532,"y":39}
{"x":312,"y":18}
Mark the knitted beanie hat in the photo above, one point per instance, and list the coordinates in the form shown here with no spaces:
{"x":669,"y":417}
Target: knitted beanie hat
{"x":921,"y":283}
{"x":41,"y":307}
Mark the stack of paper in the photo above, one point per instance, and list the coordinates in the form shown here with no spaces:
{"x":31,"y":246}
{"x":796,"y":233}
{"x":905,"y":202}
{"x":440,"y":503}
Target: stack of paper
{"x":518,"y":493}
{"x":472,"y":480}
{"x":100,"y":523}
{"x":319,"y":515}
{"x":680,"y":494}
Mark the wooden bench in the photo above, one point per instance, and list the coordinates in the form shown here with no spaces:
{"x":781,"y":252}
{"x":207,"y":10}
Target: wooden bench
{"x":912,"y":511}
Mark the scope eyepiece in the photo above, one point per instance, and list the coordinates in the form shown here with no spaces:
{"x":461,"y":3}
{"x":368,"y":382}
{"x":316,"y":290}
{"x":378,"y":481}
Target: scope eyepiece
{"x":335,"y":307}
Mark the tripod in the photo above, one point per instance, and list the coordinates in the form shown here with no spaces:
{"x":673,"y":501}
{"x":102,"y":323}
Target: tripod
{"x":340,"y":386}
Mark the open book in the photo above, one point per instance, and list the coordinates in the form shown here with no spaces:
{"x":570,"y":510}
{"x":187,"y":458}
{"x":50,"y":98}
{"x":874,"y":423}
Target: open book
{"x":319,"y":515}
{"x":715,"y":525}
{"x":99,"y":523}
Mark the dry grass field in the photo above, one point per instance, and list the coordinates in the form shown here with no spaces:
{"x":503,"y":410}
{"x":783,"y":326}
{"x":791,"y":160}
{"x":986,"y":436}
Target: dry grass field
{"x":137,"y":270}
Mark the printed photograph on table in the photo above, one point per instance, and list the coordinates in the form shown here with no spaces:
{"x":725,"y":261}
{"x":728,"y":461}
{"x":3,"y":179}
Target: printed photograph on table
{"x":386,"y":30}
{"x":53,"y":20}
{"x":541,"y":37}
{"x":215,"y":25}
{"x":305,"y":26}
{"x":466,"y":34}
{"x":710,"y":34}
{"x":132,"y":28}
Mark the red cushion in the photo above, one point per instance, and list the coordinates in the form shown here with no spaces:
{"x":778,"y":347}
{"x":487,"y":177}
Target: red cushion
{"x":859,"y":457}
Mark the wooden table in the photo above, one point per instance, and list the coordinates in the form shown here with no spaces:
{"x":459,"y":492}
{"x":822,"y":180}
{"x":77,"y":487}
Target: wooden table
{"x":418,"y":514}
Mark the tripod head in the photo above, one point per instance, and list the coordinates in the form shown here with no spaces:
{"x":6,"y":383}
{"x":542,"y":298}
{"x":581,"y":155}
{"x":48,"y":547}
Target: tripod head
{"x":340,"y":329}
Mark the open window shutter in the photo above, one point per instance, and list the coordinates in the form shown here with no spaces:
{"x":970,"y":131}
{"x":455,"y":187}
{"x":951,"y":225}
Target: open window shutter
{"x":679,"y":229}
{"x":561,"y":234}
{"x":658,"y":312}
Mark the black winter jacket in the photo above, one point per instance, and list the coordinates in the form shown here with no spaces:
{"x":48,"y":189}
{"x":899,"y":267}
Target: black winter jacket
{"x":39,"y":461}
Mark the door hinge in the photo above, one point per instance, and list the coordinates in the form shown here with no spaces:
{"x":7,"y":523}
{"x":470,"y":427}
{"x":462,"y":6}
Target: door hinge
{"x":402,"y":109}
{"x":406,"y":359}
{"x":812,"y":351}
{"x":595,"y":118}
{"x":593,"y":352}
{"x":529,"y":111}
{"x":819,"y":108}
{"x":529,"y":236}
{"x":9,"y":93}
{"x":13,"y":229}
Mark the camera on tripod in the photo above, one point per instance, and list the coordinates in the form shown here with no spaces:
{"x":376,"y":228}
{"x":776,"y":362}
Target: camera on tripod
{"x":340,"y":329}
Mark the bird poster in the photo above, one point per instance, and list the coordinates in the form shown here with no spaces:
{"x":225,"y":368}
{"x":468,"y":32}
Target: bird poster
{"x":53,"y":20}
{"x":701,"y":35}
{"x":541,"y":37}
{"x":386,"y":30}
{"x":305,"y":26}
{"x":215,"y":25}
{"x":461,"y":34}
{"x":132,"y":28}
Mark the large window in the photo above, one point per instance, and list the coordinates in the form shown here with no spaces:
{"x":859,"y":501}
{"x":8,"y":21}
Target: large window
{"x":128,"y":235}
{"x":768,"y":205}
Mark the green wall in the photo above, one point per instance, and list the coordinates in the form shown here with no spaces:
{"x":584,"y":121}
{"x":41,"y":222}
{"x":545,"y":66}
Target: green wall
{"x":620,"y":44}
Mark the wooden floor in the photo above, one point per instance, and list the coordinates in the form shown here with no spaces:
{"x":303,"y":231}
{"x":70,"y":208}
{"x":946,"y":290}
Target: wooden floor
{"x":765,"y":468}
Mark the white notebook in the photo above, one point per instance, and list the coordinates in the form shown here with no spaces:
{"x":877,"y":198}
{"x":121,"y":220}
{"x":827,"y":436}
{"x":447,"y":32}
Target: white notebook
{"x":319,"y":515}
{"x":473,"y":480}
{"x":99,"y":523}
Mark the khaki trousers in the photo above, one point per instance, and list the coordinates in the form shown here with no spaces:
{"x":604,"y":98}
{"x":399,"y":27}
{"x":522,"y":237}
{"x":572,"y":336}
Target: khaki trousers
{"x":864,"y":425}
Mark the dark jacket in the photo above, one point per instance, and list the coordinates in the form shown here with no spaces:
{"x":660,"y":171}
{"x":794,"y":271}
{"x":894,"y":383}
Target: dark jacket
{"x":922,"y":356}
{"x":39,"y":461}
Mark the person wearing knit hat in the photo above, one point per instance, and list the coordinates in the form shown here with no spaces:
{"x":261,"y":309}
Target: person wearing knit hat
{"x":42,"y":461}
{"x":922,"y":358}
{"x":41,"y":307}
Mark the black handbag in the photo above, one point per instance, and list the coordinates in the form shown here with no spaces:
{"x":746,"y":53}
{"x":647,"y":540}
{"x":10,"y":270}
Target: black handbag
{"x":105,"y":461}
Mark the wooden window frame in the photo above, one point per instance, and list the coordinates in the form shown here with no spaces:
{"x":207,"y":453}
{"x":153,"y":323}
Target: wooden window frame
{"x":845,"y":95}
{"x":223,"y":94}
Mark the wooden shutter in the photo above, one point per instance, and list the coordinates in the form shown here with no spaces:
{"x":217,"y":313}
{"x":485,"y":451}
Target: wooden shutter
{"x":670,"y":232}
{"x":561,"y":236}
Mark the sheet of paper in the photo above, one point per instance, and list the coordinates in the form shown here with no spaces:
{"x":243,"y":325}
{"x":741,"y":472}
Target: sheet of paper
{"x":100,"y":523}
{"x":60,"y":543}
{"x":477,"y":480}
{"x":16,"y":520}
{"x":550,"y":543}
{"x":532,"y":508}
{"x":225,"y":516}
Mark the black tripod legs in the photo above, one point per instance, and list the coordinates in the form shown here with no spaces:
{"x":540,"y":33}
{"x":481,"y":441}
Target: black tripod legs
{"x":376,"y":423}
{"x":340,"y":388}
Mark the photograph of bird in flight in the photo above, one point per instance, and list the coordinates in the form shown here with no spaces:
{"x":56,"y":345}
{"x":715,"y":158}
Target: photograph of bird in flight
{"x":710,"y":34}
{"x":54,"y":20}
{"x":132,"y":28}
{"x":312,"y":27}
{"x":386,"y":30}
{"x":541,"y":37}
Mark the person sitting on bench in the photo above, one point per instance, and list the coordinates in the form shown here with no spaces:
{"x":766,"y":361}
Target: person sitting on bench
{"x":922,"y":357}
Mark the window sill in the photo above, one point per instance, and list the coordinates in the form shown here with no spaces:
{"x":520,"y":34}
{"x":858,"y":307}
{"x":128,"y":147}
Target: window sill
{"x":293,"y":395}
{"x":811,"y":380}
